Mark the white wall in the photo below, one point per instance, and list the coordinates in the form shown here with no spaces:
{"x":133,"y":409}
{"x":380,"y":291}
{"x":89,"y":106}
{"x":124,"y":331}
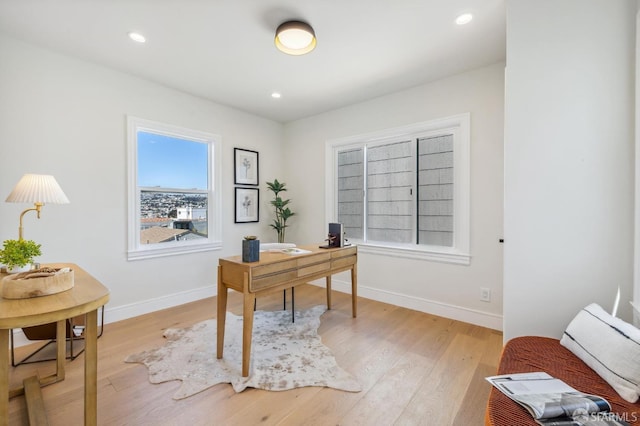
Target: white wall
{"x":443,"y":289}
{"x":636,"y":256}
{"x":568,"y":160}
{"x":66,"y":117}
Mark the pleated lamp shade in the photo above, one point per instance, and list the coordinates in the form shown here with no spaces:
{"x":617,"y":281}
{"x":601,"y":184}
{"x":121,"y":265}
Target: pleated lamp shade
{"x":37,"y":189}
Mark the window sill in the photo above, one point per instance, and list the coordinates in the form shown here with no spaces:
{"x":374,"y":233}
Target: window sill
{"x":442,"y":256}
{"x":150,"y":253}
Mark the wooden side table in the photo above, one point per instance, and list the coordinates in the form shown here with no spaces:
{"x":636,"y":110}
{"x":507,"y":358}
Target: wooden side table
{"x":87,"y":295}
{"x":276,"y":272}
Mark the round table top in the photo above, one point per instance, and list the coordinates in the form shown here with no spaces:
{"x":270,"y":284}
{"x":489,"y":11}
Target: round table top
{"x":87,"y":294}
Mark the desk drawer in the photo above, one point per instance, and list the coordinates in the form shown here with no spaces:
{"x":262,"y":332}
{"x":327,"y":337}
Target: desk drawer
{"x":316,"y":258}
{"x":279,"y":268}
{"x":299,"y":268}
{"x":273,"y":280}
{"x":350,"y":251}
{"x":273,"y":268}
{"x":313,"y":269}
{"x":282,"y":276}
{"x":341,"y":262}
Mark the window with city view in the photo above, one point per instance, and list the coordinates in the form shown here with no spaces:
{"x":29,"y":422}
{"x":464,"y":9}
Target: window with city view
{"x":171,"y":182}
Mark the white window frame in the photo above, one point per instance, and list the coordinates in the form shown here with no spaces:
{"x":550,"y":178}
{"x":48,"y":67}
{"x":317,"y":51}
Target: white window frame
{"x":136,"y":250}
{"x":458,"y":125}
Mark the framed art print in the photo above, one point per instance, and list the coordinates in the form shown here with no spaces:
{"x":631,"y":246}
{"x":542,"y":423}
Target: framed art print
{"x":246,"y":167}
{"x":247,"y":205}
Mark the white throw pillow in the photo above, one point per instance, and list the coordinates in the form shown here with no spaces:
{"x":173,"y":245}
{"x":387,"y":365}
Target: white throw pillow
{"x":610,"y":346}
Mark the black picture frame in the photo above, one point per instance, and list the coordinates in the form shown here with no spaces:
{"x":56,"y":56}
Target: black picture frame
{"x":247,"y":205}
{"x":246,"y":167}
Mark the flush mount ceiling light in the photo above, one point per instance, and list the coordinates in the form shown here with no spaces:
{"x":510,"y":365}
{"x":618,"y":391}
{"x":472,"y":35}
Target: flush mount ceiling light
{"x":295,"y":38}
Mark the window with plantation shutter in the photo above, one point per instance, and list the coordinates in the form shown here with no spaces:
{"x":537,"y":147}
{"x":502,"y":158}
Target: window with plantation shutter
{"x":404,"y":191}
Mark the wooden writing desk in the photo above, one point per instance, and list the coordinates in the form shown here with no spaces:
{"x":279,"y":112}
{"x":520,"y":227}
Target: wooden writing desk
{"x":87,"y":295}
{"x":277,"y":272}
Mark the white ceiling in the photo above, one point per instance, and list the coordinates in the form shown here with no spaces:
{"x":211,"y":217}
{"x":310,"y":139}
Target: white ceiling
{"x":223,"y":50}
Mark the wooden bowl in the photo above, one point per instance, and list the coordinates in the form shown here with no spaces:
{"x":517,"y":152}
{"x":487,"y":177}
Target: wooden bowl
{"x":16,"y":287}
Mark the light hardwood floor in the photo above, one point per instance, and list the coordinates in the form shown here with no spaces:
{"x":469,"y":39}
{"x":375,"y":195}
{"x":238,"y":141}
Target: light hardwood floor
{"x":414,"y":368}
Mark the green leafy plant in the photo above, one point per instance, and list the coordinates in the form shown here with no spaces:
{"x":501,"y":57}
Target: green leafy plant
{"x":19,"y":252}
{"x":283,"y":213}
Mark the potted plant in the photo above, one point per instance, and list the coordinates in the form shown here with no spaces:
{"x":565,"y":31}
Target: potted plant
{"x":282,"y":211}
{"x":17,"y":255}
{"x":250,"y":249}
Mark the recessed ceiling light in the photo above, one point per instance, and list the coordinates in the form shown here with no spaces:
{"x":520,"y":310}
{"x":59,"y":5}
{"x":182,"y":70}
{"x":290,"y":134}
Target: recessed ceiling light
{"x":465,"y":18}
{"x":276,"y":95}
{"x":137,"y":37}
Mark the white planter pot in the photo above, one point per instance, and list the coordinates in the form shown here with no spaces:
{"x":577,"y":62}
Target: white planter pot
{"x":18,"y":269}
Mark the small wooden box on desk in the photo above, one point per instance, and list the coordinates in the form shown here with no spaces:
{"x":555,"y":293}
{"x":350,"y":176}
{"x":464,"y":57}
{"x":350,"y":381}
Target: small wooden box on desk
{"x":276,"y":272}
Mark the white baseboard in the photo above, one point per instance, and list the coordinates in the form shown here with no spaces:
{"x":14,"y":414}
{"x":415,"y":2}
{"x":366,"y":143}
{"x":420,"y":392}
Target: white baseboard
{"x":120,"y":313}
{"x":131,"y":310}
{"x":459,"y":313}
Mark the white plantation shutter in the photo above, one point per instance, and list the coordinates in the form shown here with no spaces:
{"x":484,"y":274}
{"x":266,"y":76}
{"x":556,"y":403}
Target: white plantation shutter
{"x":351,"y":192}
{"x":389,"y":186}
{"x":435,"y":191}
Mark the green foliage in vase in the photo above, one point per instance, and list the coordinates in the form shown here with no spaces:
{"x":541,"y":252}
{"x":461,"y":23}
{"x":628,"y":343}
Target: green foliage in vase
{"x":19,"y":252}
{"x":283,"y":213}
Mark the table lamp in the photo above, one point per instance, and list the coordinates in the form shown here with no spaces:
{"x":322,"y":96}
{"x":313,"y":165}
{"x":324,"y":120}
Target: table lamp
{"x":37,"y":189}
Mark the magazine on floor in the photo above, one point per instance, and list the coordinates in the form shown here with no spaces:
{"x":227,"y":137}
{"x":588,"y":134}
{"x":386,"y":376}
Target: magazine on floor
{"x":552,"y":402}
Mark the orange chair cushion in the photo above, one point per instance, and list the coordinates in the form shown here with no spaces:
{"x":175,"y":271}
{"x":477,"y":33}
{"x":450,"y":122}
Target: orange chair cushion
{"x":528,"y":354}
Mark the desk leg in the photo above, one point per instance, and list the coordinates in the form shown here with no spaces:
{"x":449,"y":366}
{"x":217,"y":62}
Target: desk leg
{"x":61,"y":348}
{"x":354,"y":291}
{"x":91,"y":369}
{"x":4,"y":377}
{"x":328,"y":291}
{"x":247,"y":331}
{"x":221,"y":315}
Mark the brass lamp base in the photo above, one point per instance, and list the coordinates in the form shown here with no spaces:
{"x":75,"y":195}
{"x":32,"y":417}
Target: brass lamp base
{"x":37,"y":208}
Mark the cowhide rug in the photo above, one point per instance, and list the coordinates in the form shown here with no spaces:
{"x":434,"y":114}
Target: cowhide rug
{"x":284,"y":355}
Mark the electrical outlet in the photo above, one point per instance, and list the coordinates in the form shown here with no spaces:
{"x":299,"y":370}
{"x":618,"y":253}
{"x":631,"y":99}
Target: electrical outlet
{"x":485,"y":294}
